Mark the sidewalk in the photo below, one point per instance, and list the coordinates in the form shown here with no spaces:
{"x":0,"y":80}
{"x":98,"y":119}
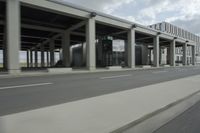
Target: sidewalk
{"x":78,"y":71}
{"x":102,"y":114}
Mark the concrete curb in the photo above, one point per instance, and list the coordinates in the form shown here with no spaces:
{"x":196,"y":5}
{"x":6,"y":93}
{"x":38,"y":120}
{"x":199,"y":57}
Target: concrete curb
{"x":157,"y":119}
{"x":36,"y":74}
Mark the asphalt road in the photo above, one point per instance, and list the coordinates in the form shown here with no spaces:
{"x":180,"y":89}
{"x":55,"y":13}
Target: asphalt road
{"x":188,"y":122}
{"x":27,"y":93}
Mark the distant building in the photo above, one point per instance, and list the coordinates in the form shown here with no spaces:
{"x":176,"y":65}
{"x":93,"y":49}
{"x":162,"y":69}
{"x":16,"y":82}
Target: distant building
{"x":181,"y":33}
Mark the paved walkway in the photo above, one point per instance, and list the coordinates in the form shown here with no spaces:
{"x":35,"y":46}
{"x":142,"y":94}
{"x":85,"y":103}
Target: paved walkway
{"x":100,"y":114}
{"x":78,"y":71}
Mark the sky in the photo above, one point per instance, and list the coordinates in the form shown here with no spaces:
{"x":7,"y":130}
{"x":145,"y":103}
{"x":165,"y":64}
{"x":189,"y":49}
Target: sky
{"x":183,"y":13}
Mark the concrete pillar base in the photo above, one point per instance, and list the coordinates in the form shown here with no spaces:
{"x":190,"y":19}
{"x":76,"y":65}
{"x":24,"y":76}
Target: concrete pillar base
{"x":14,"y":72}
{"x":114,"y":68}
{"x":91,"y":68}
{"x":59,"y":70}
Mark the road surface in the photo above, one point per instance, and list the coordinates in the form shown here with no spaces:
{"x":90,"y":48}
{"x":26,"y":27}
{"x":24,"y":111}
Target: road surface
{"x":27,"y":93}
{"x":188,"y":122}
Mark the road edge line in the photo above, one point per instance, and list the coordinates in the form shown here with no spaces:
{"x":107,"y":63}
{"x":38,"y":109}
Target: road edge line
{"x":152,"y":121}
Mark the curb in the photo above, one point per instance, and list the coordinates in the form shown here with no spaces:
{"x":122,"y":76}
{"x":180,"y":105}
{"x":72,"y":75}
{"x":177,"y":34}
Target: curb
{"x":37,"y":74}
{"x":151,"y":122}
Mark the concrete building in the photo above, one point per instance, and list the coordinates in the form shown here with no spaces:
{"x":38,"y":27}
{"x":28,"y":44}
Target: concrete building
{"x":179,"y":32}
{"x":82,"y":38}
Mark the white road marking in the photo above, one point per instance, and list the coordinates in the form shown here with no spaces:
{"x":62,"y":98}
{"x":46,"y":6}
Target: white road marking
{"x":118,"y":76}
{"x":181,"y":70}
{"x":23,"y":86}
{"x":157,"y":72}
{"x":196,"y":68}
{"x":2,"y":75}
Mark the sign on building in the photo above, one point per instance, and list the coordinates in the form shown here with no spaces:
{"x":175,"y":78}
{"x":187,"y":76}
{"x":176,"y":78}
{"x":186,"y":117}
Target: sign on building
{"x":118,"y":45}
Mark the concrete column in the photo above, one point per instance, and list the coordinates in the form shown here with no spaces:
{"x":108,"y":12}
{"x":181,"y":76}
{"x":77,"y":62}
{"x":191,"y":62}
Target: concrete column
{"x":36,"y":57}
{"x":126,"y":53}
{"x":193,"y":55}
{"x":144,"y":54}
{"x":47,"y":54}
{"x":52,"y":53}
{"x":66,"y":49}
{"x":42,"y":55}
{"x":168,"y":55}
{"x":172,"y":53}
{"x":90,"y":44}
{"x":160,"y":55}
{"x":28,"y":58}
{"x":4,"y":56}
{"x":31,"y":58}
{"x":100,"y":50}
{"x":185,"y":54}
{"x":60,"y":54}
{"x":13,"y":35}
{"x":149,"y":57}
{"x":131,"y":48}
{"x":156,"y":51}
{"x":84,"y":53}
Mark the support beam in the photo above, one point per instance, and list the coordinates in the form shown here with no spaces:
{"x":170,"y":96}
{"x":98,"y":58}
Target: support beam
{"x":66,"y":49}
{"x":131,"y":48}
{"x":185,"y":54}
{"x":41,"y":28}
{"x":156,"y":51}
{"x":172,"y":53}
{"x":13,"y":35}
{"x":67,"y":30}
{"x":144,"y":38}
{"x":76,"y":26}
{"x":36,"y":27}
{"x":90,"y":44}
{"x":50,"y":39}
{"x":117,"y":33}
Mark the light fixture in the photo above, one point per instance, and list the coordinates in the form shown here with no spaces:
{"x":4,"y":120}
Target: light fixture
{"x":93,"y":14}
{"x":159,"y":33}
{"x":134,"y":26}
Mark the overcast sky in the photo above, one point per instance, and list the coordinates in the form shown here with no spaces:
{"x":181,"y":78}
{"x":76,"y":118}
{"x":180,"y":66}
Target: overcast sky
{"x":183,"y":13}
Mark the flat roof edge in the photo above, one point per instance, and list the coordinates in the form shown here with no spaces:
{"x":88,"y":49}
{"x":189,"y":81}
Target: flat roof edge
{"x":100,"y":14}
{"x":91,"y":10}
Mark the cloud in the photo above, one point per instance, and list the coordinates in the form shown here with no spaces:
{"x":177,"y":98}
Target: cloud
{"x":182,"y":13}
{"x":101,"y":5}
{"x":191,"y":24}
